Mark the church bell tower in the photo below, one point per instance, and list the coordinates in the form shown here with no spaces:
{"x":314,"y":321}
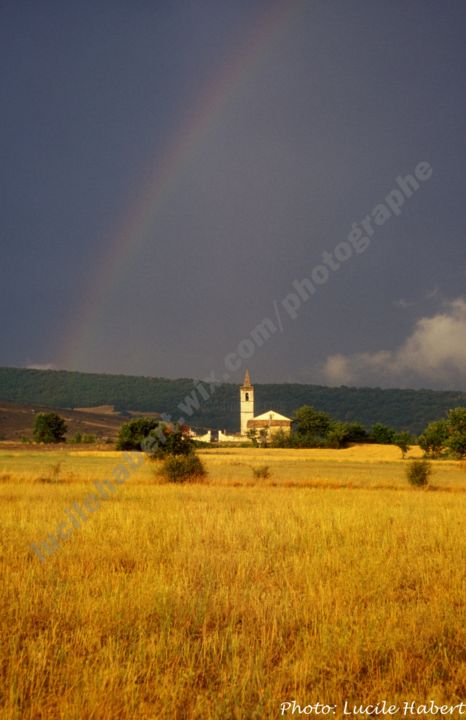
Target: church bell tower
{"x":246,"y":403}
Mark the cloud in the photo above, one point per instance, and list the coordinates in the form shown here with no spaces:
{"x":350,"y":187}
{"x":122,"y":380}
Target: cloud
{"x":434,"y":355}
{"x":40,"y":366}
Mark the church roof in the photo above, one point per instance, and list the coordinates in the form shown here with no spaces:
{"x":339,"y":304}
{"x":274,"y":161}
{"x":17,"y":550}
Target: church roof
{"x":247,"y":380}
{"x":271,"y":415}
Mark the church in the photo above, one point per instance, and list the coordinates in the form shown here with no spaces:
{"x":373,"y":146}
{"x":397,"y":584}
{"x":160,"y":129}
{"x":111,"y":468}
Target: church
{"x":267,"y":424}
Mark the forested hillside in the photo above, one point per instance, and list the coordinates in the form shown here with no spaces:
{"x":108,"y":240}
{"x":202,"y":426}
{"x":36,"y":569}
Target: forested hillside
{"x":402,"y":409}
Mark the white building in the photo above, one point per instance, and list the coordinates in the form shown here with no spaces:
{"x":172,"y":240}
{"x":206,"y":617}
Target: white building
{"x":268,"y":423}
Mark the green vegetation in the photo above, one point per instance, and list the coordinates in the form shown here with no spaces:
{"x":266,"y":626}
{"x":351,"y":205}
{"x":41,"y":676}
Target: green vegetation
{"x":169,"y":439}
{"x":418,"y":472}
{"x":49,"y":428}
{"x":80,"y":438}
{"x":154,"y":437}
{"x":382,"y":435}
{"x":446,"y":436}
{"x":133,"y":433}
{"x":403,"y":440}
{"x":183,"y":468}
{"x":400,"y":409}
{"x":433,"y":439}
{"x":317,"y":429}
{"x":311,"y":427}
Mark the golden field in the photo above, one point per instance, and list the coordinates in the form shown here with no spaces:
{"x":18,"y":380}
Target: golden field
{"x":330,"y":580}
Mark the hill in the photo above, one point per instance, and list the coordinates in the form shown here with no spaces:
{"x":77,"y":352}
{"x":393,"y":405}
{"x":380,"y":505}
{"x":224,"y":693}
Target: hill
{"x":402,"y":409}
{"x":16,"y":421}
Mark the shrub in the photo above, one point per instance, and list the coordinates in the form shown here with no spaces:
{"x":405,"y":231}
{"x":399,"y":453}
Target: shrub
{"x":262,"y":472}
{"x":49,"y":428}
{"x":183,"y":468}
{"x":281,"y":439}
{"x":418,"y":472}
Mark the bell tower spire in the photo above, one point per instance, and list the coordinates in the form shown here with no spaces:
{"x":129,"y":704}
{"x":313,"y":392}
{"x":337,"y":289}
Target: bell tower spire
{"x":246,"y":394}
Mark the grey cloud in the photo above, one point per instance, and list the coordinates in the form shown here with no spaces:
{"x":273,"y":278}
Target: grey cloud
{"x":434,"y":354}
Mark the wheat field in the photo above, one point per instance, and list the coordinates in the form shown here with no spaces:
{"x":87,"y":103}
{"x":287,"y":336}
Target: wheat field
{"x":331,"y":580}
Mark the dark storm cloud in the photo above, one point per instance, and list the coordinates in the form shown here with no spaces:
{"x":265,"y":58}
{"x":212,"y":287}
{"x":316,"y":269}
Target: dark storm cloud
{"x":342,"y":99}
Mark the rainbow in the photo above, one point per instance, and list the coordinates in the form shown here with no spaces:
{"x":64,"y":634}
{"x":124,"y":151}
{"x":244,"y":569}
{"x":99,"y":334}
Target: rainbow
{"x":134,"y":227}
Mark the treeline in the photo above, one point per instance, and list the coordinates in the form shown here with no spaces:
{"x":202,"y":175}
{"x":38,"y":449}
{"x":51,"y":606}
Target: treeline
{"x":311,"y":428}
{"x":407,"y":410}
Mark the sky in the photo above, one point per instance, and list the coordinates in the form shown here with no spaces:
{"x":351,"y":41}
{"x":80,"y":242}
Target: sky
{"x":183,"y":187}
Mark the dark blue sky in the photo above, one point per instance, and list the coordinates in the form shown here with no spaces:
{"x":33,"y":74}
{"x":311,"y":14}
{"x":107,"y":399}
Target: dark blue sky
{"x":309,"y":112}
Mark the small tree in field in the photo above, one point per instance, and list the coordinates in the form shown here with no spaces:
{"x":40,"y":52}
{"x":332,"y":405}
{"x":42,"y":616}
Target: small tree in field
{"x":49,"y":428}
{"x":133,"y":433}
{"x":434,"y":438}
{"x":447,"y":435}
{"x":168,"y":439}
{"x":456,"y":424}
{"x":403,"y":440}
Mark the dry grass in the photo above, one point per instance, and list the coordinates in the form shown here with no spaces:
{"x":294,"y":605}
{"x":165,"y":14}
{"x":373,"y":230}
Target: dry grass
{"x":220,"y":602}
{"x":363,"y":466}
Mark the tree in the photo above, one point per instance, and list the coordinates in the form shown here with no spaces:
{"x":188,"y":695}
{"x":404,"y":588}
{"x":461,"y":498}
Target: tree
{"x":434,"y":438}
{"x":382,"y":434}
{"x":403,"y":440}
{"x":133,"y":433}
{"x":356,"y":432}
{"x":337,"y":436}
{"x":448,"y":434}
{"x":49,"y":428}
{"x":456,"y":425}
{"x":168,"y":439}
{"x":342,"y":434}
{"x":311,"y":427}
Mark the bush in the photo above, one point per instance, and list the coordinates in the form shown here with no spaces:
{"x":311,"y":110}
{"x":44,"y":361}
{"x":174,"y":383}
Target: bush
{"x":183,"y":468}
{"x":261,"y":472}
{"x":281,"y":439}
{"x":418,"y":472}
{"x":49,"y":428}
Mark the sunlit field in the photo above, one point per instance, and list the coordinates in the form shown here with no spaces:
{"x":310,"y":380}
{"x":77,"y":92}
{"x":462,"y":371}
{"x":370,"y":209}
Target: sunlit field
{"x":332,"y":579}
